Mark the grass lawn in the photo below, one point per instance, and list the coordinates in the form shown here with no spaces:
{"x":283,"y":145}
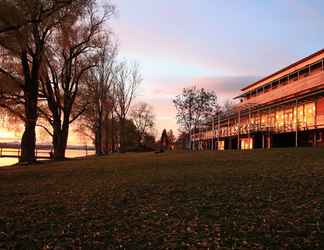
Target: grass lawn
{"x":227,"y":200}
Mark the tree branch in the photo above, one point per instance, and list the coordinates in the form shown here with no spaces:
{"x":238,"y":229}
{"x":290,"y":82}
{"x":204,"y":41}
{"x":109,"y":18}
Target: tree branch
{"x":45,"y":128}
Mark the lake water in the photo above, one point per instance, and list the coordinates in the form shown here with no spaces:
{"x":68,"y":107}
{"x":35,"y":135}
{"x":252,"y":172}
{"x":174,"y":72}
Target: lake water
{"x":69,"y":153}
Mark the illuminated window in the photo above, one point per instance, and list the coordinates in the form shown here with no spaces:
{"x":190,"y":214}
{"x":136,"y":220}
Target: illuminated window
{"x":221,"y":145}
{"x":279,"y":119}
{"x":246,"y":143}
{"x":300,"y":115}
{"x":309,"y":118}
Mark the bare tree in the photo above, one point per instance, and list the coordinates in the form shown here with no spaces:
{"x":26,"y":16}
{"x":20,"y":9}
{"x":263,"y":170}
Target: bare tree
{"x":127,"y":80}
{"x":25,"y":29}
{"x":171,"y":137}
{"x":73,"y":53}
{"x":228,"y":107}
{"x":194,"y":107}
{"x":143,"y":118}
{"x":11,"y":95}
{"x":99,"y":93}
{"x":182,"y":140}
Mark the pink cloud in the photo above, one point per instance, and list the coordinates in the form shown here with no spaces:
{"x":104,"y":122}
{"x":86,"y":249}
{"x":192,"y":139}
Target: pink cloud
{"x":161,"y":94}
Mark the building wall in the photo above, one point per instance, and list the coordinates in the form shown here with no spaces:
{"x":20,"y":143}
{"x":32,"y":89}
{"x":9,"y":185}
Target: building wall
{"x":320,"y":111}
{"x":303,"y":84}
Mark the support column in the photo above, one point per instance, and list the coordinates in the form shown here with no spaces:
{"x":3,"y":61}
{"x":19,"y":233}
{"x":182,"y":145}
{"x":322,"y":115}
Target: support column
{"x":305,"y":125}
{"x":269,"y":129}
{"x":238,"y":129}
{"x":259,"y":121}
{"x":249,"y":123}
{"x":269,"y":141}
{"x":296,"y":135}
{"x":315,"y":123}
{"x":228,"y":135}
{"x":218,"y":129}
{"x":314,"y":138}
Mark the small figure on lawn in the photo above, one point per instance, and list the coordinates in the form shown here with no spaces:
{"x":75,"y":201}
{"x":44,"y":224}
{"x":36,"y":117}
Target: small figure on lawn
{"x":164,"y":142}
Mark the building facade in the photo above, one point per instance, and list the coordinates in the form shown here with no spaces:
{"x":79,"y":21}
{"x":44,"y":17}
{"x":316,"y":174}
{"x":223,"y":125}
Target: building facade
{"x":284,"y":109}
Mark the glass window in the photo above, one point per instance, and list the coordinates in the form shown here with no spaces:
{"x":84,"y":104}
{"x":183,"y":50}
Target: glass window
{"x":246,"y":143}
{"x":221,"y":145}
{"x":309,"y":118}
{"x":279,"y":119}
{"x":288,"y":118}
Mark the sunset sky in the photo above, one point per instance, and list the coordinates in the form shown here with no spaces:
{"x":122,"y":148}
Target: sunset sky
{"x":219,"y":45}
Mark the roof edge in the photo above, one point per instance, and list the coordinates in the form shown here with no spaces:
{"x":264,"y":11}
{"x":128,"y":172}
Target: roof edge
{"x":284,"y":69}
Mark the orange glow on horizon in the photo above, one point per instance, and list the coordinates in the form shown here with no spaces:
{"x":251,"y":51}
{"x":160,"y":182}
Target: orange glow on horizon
{"x":6,"y":134}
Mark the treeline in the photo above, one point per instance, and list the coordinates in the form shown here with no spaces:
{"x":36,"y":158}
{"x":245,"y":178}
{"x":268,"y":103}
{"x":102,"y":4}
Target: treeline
{"x":58,"y":65}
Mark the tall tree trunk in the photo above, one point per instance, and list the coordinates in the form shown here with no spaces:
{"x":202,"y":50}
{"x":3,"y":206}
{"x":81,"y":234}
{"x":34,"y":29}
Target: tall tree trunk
{"x":106,"y":130}
{"x":28,"y":141}
{"x":98,"y":137}
{"x":139,"y":139}
{"x":113,"y":142}
{"x":60,"y":138}
{"x":122,"y":135}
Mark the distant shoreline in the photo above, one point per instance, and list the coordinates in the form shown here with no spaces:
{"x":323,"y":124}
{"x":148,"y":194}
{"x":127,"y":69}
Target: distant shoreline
{"x":71,"y":153}
{"x":16,"y":145}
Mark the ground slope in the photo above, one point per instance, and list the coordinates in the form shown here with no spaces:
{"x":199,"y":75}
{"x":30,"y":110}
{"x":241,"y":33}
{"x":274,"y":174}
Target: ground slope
{"x":227,"y":200}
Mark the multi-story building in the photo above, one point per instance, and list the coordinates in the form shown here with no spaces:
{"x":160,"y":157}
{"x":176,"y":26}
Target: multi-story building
{"x":284,"y":109}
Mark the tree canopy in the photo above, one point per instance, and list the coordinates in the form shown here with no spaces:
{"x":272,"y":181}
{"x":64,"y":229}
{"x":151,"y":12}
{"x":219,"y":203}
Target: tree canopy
{"x":194,"y":106}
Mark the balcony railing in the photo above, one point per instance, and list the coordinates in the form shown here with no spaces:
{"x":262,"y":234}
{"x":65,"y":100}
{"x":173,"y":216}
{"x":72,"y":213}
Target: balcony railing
{"x":255,"y":128}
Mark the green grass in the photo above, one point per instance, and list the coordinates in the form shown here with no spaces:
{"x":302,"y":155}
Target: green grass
{"x":227,"y":200}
